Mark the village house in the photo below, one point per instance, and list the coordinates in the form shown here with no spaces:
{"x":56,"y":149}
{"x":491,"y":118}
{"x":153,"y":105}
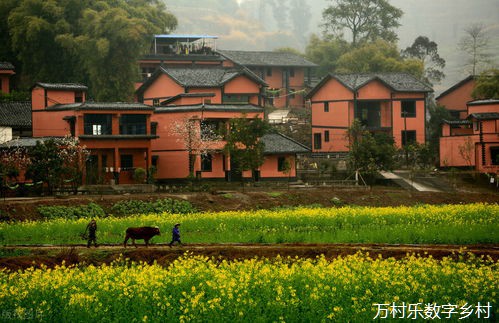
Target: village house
{"x":118,"y":134}
{"x":394,"y":103}
{"x":287,"y":75}
{"x":473,"y":142}
{"x":457,"y":96}
{"x":6,"y":72}
{"x":193,"y":102}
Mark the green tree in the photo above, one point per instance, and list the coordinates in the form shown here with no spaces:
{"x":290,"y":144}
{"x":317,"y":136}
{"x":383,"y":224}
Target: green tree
{"x":475,"y":43}
{"x":487,"y":85}
{"x":92,"y":42}
{"x":379,"y":56}
{"x":46,"y":164}
{"x":112,"y":39}
{"x":366,"y":20}
{"x":369,"y":153}
{"x":434,"y":128}
{"x":243,"y":142}
{"x":426,"y":51}
{"x":325,"y":52}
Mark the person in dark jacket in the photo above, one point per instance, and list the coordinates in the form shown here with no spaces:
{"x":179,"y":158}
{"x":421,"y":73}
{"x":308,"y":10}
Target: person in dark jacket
{"x":175,"y":235}
{"x":92,"y":229}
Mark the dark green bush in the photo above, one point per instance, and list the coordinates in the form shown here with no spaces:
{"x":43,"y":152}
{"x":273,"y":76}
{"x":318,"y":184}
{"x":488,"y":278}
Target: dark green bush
{"x":91,"y":210}
{"x":159,"y":206}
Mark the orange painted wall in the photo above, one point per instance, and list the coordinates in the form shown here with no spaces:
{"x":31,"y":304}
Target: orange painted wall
{"x":483,"y":108}
{"x":50,"y":123}
{"x":214,"y":99}
{"x":457,"y":99}
{"x":217,"y":170}
{"x":269,"y":168}
{"x":5,"y":83}
{"x":241,"y":84}
{"x":449,"y":151}
{"x":162,"y":87}
{"x":417,"y":123}
{"x":373,"y":90}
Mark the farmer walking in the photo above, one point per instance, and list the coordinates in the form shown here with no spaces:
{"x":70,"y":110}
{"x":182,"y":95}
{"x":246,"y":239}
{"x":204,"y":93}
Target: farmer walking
{"x":91,"y":228}
{"x":175,"y":235}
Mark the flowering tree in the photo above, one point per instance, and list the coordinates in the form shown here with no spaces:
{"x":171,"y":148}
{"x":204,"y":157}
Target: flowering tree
{"x":198,"y":136}
{"x":74,"y":156}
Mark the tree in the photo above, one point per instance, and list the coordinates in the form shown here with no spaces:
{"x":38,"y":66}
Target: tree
{"x":379,"y":56}
{"x":367,"y":20}
{"x":487,"y":85}
{"x":243,"y":142}
{"x":369,"y":153}
{"x":475,"y":44}
{"x":92,"y":42}
{"x":197,"y":137}
{"x":434,"y":128}
{"x":112,"y":39}
{"x":325,"y":52}
{"x":426,"y":51}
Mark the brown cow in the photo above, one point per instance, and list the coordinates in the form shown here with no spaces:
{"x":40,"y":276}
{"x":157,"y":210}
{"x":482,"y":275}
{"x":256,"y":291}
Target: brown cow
{"x":145,"y":233}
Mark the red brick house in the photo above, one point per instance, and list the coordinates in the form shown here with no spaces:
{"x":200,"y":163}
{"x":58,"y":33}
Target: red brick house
{"x":394,"y":103}
{"x":118,"y":135}
{"x":6,"y":72}
{"x":474,"y":141}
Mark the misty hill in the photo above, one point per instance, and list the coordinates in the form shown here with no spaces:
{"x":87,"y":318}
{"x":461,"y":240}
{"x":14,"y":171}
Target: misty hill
{"x":270,"y":24}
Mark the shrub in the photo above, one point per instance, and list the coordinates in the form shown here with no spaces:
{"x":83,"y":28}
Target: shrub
{"x":159,"y":206}
{"x":91,"y":210}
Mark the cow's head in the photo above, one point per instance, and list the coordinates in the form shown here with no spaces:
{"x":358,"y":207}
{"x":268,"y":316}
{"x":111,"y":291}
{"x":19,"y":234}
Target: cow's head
{"x":156,"y":231}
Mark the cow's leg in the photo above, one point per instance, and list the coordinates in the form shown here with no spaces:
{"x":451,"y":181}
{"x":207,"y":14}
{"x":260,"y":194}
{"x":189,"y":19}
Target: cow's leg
{"x":126,"y":240}
{"x":133,"y":241}
{"x":147,"y":242}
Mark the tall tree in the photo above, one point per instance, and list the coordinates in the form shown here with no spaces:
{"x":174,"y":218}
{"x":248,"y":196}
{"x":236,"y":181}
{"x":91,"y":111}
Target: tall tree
{"x":434,"y":128}
{"x":243,"y":142}
{"x":379,"y":56}
{"x":325,"y":52}
{"x":93,"y":42}
{"x":475,"y":44}
{"x":366,"y":20}
{"x":487,"y":85}
{"x":426,"y":51}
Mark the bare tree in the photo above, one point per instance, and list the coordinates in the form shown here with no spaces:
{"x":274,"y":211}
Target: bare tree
{"x":475,"y":44}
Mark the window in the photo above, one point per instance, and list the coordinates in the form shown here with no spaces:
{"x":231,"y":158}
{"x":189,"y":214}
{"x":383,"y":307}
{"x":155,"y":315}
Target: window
{"x":126,"y":162}
{"x":291,"y":72}
{"x":317,"y":141}
{"x":281,"y":164}
{"x":154,"y":128}
{"x":133,"y":124}
{"x":155,"y":102}
{"x":408,"y":137}
{"x":326,"y":106}
{"x":154,"y":160}
{"x":269,"y":71}
{"x":494,"y":155}
{"x":235,"y":98}
{"x":206,"y":162}
{"x":408,"y":109}
{"x":326,"y":136}
{"x":369,"y":113}
{"x":212,"y":129}
{"x":97,"y":124}
{"x":78,"y":96}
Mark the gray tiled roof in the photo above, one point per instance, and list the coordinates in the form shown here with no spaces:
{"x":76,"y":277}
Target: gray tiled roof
{"x":457,"y":122}
{"x":485,"y":116}
{"x":484,"y":102}
{"x":24,"y":142}
{"x":400,"y":82}
{"x":260,"y":58}
{"x":210,"y":107}
{"x":62,"y":86}
{"x":277,"y":143}
{"x":205,"y":77}
{"x":101,"y":106}
{"x":6,"y":66}
{"x":15,"y":114}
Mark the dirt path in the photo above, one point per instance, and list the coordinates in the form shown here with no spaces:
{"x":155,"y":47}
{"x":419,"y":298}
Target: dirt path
{"x":19,"y":257}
